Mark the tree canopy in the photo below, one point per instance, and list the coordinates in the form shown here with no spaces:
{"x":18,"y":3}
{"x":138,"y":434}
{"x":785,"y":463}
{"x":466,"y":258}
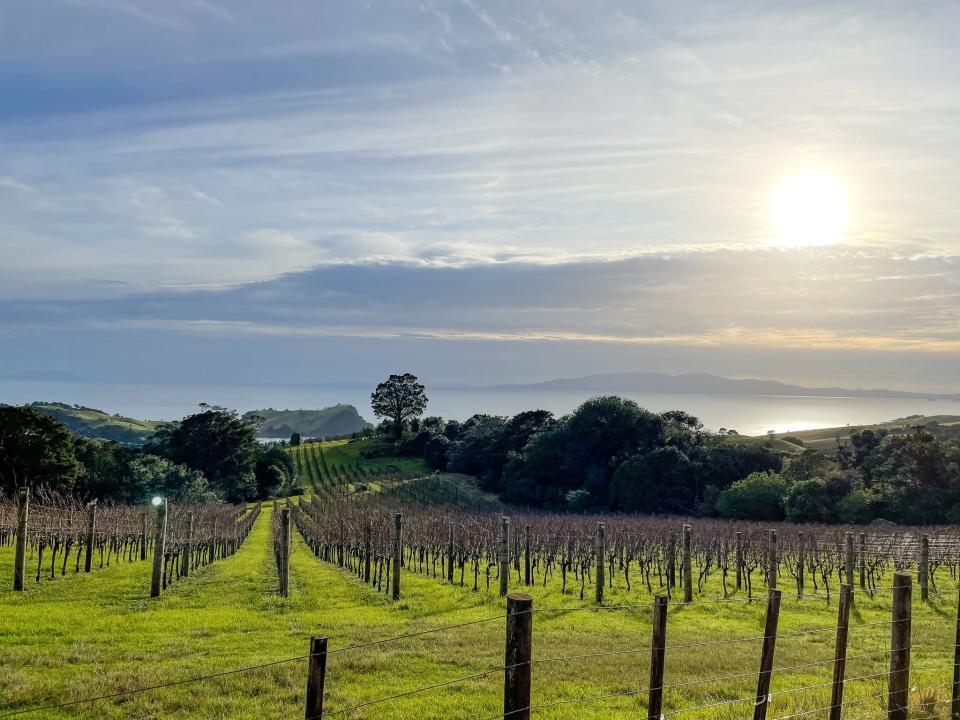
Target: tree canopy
{"x":399,"y":399}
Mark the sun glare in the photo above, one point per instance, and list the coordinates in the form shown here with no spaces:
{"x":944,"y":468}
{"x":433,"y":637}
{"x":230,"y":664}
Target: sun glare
{"x":810,"y":208}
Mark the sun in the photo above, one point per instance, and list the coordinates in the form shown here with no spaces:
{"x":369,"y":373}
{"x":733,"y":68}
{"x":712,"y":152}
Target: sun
{"x":809,"y":208}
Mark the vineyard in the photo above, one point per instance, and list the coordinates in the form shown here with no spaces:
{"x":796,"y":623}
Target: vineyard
{"x":622,"y":616}
{"x":331,"y":468}
{"x":183,"y":537}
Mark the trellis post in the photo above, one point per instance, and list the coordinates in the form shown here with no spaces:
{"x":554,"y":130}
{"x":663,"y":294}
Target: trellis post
{"x":20,"y":558}
{"x":159,"y":548}
{"x":91,"y":534}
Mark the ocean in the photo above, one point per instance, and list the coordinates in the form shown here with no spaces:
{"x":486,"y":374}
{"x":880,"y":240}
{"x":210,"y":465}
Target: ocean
{"x":747,"y":414}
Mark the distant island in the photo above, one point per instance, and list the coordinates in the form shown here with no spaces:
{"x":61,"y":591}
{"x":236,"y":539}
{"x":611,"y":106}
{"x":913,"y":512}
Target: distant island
{"x":706,"y":384}
{"x":336,"y":420}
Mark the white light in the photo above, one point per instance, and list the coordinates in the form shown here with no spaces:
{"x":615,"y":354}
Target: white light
{"x":157,"y":501}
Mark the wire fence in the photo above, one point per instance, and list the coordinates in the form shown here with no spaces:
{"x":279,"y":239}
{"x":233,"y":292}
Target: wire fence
{"x":519,"y":669}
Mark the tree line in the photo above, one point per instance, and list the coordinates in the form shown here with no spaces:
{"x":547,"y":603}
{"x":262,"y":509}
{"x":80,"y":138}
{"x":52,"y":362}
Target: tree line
{"x":210,"y":456}
{"x":612,"y":454}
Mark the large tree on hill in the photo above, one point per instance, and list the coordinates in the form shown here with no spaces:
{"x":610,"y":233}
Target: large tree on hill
{"x":35,"y":450}
{"x":222,"y":446}
{"x":400,"y":398}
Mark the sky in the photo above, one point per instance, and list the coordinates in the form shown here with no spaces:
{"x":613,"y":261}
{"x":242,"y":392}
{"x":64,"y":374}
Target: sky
{"x":476,"y":192}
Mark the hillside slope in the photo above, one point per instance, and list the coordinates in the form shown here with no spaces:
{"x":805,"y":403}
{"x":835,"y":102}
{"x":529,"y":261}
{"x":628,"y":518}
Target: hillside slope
{"x":97,"y":424}
{"x":328,"y":422}
{"x":826,"y":438}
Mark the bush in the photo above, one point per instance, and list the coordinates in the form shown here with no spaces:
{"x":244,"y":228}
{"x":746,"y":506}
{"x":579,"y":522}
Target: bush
{"x":435,"y":452}
{"x":856,"y":508}
{"x":655,"y":482}
{"x":808,"y":501}
{"x":759,"y":496}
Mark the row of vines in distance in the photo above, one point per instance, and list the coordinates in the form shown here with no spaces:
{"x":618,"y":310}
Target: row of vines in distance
{"x":635,"y":553}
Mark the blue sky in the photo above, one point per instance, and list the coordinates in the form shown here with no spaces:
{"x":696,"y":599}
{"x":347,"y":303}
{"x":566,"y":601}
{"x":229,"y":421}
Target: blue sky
{"x":475,"y":191}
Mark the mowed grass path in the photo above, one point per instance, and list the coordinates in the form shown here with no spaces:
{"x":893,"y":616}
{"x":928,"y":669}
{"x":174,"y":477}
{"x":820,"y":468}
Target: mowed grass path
{"x":81,"y":636}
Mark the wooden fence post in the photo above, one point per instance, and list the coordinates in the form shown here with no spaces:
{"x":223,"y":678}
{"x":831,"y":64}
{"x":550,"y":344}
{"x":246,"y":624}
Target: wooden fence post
{"x":801,"y":563}
{"x":848,"y":559}
{"x":672,"y":560}
{"x":739,"y":560}
{"x":955,"y":697}
{"x":397,"y":553}
{"x":899,"y":681}
{"x":840,"y":652}
{"x":285,"y":552}
{"x":316,"y":676}
{"x":766,"y":654}
{"x":527,"y":570}
{"x":188,"y":550}
{"x":143,"y":536}
{"x":20,"y":559}
{"x":657,"y":652}
{"x":601,"y":559}
{"x":450,"y":554}
{"x":91,"y":534}
{"x":367,"y":549}
{"x":159,"y":548}
{"x":772,"y":561}
{"x":504,"y":555}
{"x":863,"y":561}
{"x":687,"y":565}
{"x":924,"y":567}
{"x":519,"y":651}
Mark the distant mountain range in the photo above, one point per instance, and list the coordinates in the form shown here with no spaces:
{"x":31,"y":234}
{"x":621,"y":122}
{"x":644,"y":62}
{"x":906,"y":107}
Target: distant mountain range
{"x":706,"y":384}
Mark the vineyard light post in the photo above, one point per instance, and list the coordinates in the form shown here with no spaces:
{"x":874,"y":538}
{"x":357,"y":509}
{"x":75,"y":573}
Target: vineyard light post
{"x":159,"y":545}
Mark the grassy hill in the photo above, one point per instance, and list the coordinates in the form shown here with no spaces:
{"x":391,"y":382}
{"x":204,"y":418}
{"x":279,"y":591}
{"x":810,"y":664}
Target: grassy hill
{"x":826,"y":438}
{"x":97,"y":424}
{"x":327,"y":422}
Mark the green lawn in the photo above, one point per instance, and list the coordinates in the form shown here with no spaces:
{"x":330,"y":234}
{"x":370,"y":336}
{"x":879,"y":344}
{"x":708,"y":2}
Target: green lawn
{"x":76,"y":637}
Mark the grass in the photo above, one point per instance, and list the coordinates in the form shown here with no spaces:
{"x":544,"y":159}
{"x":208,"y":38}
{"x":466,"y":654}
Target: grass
{"x":87,"y":635}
